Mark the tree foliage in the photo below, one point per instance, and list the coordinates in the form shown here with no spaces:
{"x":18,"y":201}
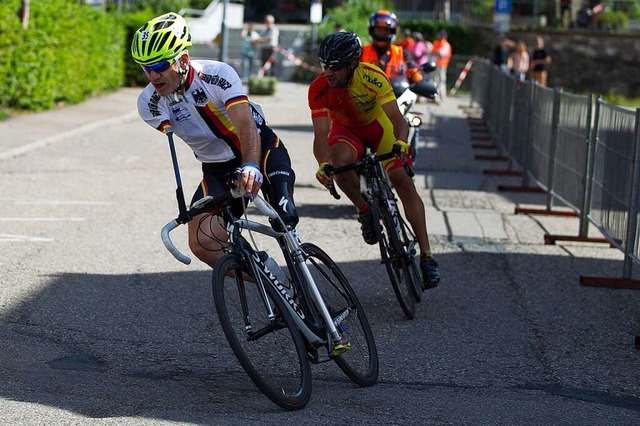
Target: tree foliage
{"x":353,"y":15}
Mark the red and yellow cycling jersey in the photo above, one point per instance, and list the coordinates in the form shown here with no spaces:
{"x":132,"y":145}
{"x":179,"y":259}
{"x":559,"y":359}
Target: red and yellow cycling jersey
{"x":356,"y":105}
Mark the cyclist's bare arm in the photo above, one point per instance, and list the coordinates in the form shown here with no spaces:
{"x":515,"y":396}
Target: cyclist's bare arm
{"x":250,"y":145}
{"x":321,"y":127}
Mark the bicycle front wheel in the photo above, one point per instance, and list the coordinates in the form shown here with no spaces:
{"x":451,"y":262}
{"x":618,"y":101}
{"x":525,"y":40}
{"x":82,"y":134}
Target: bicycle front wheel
{"x":269,"y":348}
{"x":360,"y":363}
{"x":408,"y":243}
{"x":393,"y":257}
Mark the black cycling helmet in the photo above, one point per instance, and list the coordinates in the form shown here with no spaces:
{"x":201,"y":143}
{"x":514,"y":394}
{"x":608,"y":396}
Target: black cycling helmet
{"x":339,"y":49}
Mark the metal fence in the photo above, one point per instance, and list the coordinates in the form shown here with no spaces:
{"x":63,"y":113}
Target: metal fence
{"x":583,"y":154}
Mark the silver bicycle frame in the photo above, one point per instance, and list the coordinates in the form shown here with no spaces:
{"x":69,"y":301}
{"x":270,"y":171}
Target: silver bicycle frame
{"x":293,"y":246}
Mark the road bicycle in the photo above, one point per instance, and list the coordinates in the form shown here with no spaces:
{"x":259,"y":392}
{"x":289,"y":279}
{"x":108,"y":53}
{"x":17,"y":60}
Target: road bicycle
{"x":396,"y":239}
{"x":279,"y":321}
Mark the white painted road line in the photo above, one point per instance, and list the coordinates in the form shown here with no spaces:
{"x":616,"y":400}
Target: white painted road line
{"x":20,"y":201}
{"x":41,"y":219}
{"x":23,"y":238}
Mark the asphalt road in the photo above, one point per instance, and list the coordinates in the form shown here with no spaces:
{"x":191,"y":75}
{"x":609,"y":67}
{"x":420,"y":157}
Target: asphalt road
{"x":100,"y":325}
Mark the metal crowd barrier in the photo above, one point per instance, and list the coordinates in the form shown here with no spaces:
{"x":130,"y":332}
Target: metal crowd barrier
{"x":582,"y":154}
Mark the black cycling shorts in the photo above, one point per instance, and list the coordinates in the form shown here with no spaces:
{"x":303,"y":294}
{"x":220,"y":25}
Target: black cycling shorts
{"x":275,"y":165}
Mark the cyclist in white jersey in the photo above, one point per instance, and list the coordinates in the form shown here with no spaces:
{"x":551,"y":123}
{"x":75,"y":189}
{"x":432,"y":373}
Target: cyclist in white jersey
{"x":204,"y":103}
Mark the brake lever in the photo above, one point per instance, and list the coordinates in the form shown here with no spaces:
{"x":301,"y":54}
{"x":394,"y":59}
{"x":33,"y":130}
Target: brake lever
{"x":328,"y":169}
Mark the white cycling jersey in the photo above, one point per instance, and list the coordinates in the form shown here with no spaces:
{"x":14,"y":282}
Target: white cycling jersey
{"x":199,"y":116}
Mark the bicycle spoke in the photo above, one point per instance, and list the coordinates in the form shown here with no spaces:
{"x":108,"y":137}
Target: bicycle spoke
{"x":360,"y":363}
{"x":269,"y":347}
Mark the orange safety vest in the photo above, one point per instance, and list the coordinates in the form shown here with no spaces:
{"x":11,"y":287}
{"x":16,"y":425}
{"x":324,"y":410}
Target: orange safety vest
{"x":396,"y":65}
{"x":442,"y":61}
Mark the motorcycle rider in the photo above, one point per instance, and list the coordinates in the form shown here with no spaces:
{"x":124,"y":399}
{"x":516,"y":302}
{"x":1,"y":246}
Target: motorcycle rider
{"x":392,"y":59}
{"x":396,"y":62}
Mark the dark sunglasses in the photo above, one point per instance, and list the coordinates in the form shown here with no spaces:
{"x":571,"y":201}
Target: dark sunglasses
{"x":158,"y":67}
{"x":333,"y":67}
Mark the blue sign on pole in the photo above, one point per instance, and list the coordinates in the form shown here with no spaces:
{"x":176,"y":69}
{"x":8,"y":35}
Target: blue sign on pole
{"x":503,"y":6}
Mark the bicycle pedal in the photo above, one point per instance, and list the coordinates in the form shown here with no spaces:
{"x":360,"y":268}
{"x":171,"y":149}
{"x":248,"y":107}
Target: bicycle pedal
{"x":341,"y":348}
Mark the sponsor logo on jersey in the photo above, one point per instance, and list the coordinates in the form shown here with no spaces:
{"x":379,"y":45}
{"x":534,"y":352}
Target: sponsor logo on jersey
{"x":257,"y":117}
{"x":215,"y":80}
{"x":153,"y":104}
{"x":180,"y":114}
{"x":372,"y":80}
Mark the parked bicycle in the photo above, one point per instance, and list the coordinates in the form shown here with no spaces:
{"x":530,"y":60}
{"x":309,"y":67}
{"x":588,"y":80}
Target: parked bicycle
{"x":278,"y":321}
{"x":395,"y":237}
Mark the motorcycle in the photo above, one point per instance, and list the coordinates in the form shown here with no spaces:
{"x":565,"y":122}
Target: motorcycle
{"x":407,"y":96}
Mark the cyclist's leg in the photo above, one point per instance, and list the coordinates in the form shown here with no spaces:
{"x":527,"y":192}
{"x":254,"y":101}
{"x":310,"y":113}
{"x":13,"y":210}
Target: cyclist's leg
{"x":414,"y":211}
{"x":207,"y":236}
{"x":345,"y":148}
{"x":279,"y":183}
{"x":412,"y":204}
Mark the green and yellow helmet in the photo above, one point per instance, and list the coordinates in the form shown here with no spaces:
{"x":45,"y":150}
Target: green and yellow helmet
{"x":162,"y":38}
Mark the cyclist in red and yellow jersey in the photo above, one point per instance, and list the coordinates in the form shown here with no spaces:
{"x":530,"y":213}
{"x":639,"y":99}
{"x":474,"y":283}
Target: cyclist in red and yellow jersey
{"x":353,"y":106}
{"x":394,"y":60}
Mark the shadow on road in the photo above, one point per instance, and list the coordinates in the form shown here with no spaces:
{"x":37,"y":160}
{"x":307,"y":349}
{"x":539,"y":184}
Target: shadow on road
{"x":148,"y":345}
{"x":326,"y":211}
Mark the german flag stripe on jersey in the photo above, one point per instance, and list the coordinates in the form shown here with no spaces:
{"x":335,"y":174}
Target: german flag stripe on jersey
{"x":165,"y":126}
{"x":205,"y":188}
{"x":220,"y":125}
{"x":234,"y":101}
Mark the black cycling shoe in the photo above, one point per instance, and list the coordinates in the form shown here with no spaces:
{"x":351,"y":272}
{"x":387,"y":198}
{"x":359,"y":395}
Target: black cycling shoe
{"x":368,"y":230}
{"x":430,"y":272}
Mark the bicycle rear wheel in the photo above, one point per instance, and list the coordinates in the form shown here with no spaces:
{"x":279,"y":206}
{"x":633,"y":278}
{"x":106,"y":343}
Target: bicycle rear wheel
{"x":271,"y":351}
{"x":393,"y":257}
{"x":360,"y":363}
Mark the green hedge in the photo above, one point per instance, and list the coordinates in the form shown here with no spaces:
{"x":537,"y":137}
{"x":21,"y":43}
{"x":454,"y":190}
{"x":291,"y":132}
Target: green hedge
{"x":69,"y":53}
{"x":134,"y":76}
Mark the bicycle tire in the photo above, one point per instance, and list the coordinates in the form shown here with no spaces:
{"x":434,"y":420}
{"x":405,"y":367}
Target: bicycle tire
{"x":275,"y":357}
{"x":361,"y":362}
{"x":408,"y":246}
{"x":393,"y":257}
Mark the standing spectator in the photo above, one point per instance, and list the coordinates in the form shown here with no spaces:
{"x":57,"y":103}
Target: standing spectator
{"x":249,"y":37}
{"x":501,"y":53}
{"x":407,"y":42}
{"x":422,"y":49}
{"x":270,"y":38}
{"x":565,"y":13}
{"x":518,"y":62}
{"x":539,"y":60}
{"x":442,"y":51}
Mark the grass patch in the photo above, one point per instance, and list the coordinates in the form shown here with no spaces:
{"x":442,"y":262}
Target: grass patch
{"x":620,"y":100}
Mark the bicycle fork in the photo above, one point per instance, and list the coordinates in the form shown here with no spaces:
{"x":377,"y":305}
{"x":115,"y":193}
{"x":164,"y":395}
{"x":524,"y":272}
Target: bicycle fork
{"x":340,"y":344}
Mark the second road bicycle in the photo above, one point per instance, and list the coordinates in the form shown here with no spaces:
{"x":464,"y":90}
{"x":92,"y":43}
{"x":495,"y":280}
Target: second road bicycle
{"x":398,"y":244}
